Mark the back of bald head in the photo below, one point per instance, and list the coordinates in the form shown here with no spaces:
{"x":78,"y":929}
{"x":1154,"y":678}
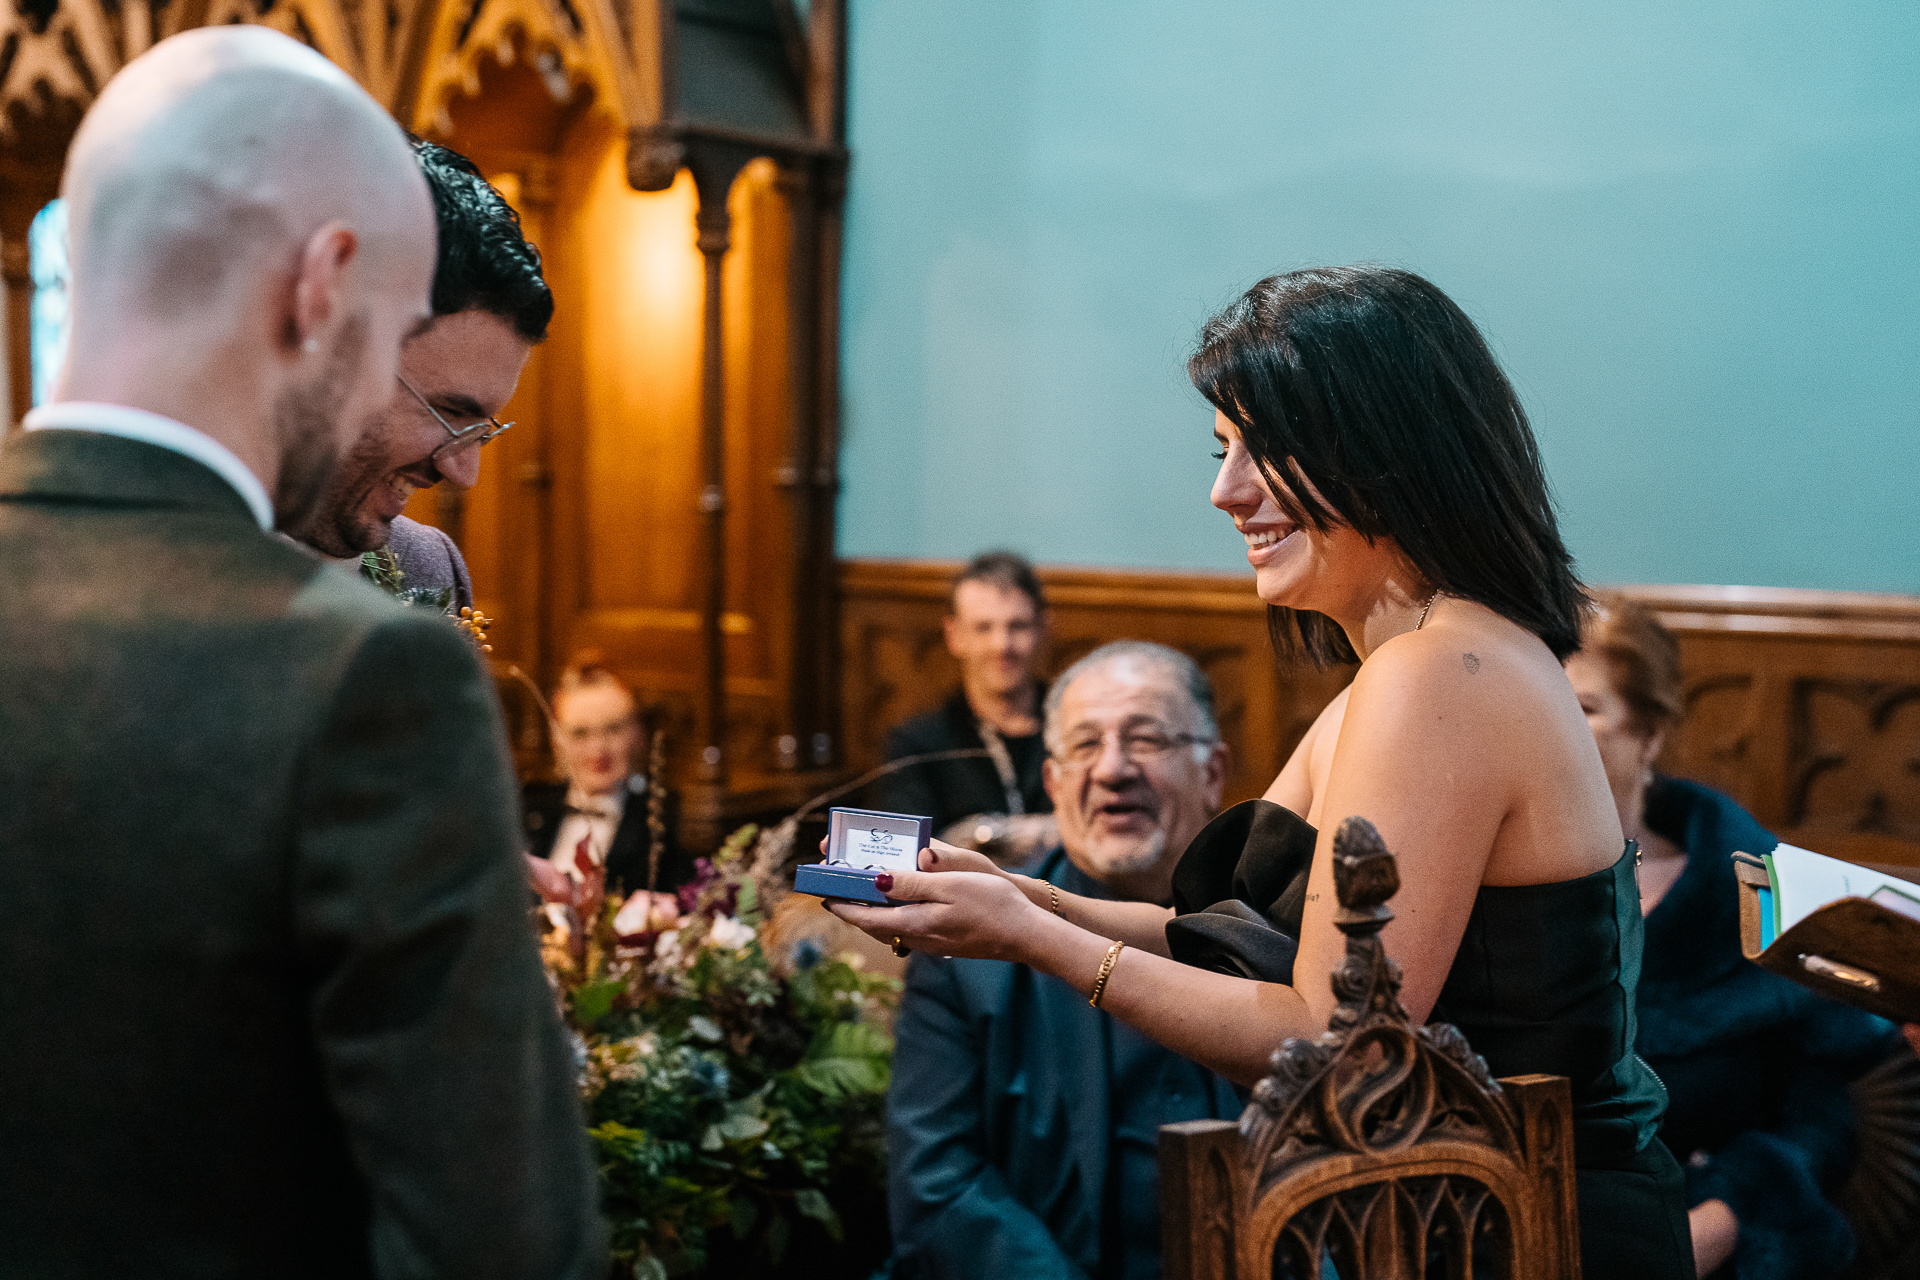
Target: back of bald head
{"x":211,"y":158}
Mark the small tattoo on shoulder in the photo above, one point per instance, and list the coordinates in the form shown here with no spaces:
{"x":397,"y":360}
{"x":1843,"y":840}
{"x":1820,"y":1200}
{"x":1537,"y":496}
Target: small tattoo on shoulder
{"x":1313,"y":897}
{"x":1471,"y":663}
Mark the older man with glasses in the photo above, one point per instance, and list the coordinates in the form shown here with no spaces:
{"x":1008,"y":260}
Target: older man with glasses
{"x":490,"y":307}
{"x":1023,"y":1123}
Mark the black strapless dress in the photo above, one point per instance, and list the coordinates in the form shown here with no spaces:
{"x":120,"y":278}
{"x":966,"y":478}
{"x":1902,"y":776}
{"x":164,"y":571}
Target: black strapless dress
{"x":1543,"y":982}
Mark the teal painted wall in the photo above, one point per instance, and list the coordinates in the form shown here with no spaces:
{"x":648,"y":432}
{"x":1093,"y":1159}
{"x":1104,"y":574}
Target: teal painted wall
{"x":1692,"y":232}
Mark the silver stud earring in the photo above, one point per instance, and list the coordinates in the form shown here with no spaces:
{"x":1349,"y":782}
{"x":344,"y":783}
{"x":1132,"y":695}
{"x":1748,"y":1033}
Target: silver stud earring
{"x":311,"y":346}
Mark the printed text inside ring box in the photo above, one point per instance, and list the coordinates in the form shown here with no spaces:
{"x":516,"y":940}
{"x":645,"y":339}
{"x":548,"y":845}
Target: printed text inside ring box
{"x":875,"y":849}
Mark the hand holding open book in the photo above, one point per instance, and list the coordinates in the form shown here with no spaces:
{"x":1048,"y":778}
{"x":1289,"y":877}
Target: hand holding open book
{"x":1847,"y":930}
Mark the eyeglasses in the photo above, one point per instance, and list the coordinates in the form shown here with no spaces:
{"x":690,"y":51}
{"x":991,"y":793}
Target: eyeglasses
{"x":1140,"y":744}
{"x":460,"y":440}
{"x":584,"y":735}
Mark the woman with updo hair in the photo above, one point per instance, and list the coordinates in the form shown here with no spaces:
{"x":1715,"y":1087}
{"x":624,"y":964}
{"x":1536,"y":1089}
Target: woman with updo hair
{"x":1756,"y":1067}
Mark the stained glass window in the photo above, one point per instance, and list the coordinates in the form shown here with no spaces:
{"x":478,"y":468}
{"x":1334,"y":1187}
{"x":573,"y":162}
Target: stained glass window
{"x":47,"y":251}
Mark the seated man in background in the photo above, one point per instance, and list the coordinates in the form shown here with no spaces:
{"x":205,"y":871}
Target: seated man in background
{"x":1757,"y":1067}
{"x":490,"y":307}
{"x":1010,"y":1155}
{"x":996,"y":623}
{"x":598,"y":816}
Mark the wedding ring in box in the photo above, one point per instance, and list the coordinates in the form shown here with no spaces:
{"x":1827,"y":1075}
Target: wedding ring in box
{"x":861,"y":843}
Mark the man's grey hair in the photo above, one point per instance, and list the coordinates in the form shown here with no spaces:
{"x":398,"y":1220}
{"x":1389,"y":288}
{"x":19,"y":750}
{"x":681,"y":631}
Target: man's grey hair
{"x":1186,"y":674}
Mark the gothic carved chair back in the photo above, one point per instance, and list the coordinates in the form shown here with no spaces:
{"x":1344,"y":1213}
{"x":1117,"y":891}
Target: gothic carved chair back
{"x":1382,"y":1147}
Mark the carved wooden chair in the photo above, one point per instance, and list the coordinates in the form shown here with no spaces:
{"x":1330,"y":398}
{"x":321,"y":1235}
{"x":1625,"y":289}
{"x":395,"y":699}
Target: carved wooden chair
{"x":1384,"y":1148}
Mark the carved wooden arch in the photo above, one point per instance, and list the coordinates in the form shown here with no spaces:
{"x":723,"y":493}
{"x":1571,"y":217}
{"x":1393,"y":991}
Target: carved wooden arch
{"x":565,"y":40}
{"x":1377,"y":1143}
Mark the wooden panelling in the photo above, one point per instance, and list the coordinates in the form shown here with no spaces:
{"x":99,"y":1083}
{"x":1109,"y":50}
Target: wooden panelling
{"x":896,"y":663}
{"x":1805,"y":707}
{"x":1802,"y":705}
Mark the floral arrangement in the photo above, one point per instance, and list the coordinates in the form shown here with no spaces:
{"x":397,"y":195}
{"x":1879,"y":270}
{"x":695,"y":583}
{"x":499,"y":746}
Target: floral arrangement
{"x":735,"y":1105}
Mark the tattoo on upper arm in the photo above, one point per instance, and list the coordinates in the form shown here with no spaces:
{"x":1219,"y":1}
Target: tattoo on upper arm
{"x":1471,"y":663}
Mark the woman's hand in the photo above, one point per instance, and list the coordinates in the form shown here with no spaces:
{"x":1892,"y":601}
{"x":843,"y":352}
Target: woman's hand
{"x":950,"y":913}
{"x":549,"y":881}
{"x":1715,"y":1233}
{"x":941,"y":856}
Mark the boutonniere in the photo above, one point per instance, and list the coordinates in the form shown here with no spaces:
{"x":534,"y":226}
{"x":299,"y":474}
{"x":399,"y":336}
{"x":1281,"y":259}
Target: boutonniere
{"x":382,"y":568}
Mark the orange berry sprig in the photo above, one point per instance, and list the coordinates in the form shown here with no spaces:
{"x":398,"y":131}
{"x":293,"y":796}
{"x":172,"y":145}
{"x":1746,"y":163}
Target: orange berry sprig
{"x":475,"y":624}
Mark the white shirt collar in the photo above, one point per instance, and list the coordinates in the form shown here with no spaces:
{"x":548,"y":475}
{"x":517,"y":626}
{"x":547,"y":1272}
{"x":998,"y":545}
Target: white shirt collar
{"x":614,"y":802}
{"x":152,"y":428}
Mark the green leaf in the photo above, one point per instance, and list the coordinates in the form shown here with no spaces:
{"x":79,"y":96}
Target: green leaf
{"x":813,"y":1204}
{"x":740,"y":1126}
{"x":704,"y":1027}
{"x":594,"y":1001}
{"x":847,"y":1059}
{"x":745,"y":1215}
{"x":621,"y":1141}
{"x":648,"y":1267}
{"x":749,"y":900}
{"x":777,"y":1237}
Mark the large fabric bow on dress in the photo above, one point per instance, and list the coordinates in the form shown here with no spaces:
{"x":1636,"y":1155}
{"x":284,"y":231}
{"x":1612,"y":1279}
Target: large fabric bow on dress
{"x":1239,"y":891}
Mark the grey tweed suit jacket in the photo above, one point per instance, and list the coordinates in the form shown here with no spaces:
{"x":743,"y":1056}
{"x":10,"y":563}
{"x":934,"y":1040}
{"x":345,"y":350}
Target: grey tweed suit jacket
{"x":429,"y":558}
{"x":269,"y":1001}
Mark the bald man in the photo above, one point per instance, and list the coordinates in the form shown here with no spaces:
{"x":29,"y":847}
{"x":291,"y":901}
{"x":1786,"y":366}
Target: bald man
{"x":269,"y":1005}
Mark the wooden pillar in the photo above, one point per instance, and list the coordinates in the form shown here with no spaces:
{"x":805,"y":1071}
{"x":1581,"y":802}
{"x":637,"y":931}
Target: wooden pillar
{"x":831,"y":189}
{"x":795,"y":477}
{"x":715,"y":238}
{"x":16,"y":270}
{"x":818,"y":586}
{"x":704,"y":813}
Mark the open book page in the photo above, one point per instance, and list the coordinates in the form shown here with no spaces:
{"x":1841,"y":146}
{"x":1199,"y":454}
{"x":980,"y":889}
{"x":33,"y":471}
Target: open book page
{"x":1805,"y":881}
{"x":1906,"y":901}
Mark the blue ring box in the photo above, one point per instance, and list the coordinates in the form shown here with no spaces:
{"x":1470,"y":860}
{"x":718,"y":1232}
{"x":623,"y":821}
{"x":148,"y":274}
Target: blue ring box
{"x":836,"y":878}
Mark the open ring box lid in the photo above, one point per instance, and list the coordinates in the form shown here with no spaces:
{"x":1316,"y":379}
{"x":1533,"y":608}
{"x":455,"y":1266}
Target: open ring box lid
{"x":861,"y":843}
{"x":1851,"y":946}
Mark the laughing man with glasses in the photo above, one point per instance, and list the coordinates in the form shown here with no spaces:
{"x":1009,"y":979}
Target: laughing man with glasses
{"x":490,"y":307}
{"x":1023,"y":1123}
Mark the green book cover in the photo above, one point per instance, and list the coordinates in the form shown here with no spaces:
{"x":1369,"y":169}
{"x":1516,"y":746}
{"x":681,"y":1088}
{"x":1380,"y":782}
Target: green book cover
{"x":1771,"y":919}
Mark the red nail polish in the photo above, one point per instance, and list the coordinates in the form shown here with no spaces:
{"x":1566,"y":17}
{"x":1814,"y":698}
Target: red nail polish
{"x":884,"y":881}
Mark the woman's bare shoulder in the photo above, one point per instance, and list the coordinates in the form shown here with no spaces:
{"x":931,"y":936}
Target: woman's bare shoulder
{"x":1469,"y":671}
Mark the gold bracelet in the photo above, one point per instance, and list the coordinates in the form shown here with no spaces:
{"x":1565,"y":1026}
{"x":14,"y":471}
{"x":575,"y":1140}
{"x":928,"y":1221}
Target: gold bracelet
{"x":1106,"y":968}
{"x":1053,"y":895}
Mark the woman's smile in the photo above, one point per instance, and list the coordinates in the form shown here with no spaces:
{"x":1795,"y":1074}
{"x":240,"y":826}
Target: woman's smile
{"x":1266,"y":543}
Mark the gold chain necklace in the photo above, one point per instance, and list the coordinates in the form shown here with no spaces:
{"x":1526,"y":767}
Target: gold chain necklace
{"x":1424,"y":610}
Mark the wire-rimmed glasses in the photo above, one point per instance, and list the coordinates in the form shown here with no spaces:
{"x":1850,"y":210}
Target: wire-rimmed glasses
{"x":1140,"y":744}
{"x":458,"y":441}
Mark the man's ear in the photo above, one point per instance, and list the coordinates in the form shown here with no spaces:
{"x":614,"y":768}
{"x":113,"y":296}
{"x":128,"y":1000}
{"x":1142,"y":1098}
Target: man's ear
{"x":1219,"y":765}
{"x":319,"y":287}
{"x":948,"y":627}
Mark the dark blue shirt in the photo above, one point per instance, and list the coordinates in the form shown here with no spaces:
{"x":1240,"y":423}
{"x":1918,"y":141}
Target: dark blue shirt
{"x":1023,"y":1125}
{"x":1150,"y":1086}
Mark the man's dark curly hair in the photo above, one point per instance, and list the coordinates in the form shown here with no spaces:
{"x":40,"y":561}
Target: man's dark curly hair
{"x":484,"y":260}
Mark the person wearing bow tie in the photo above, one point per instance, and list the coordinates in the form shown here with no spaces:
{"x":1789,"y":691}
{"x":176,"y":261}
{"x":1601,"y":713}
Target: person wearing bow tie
{"x":597,"y":817}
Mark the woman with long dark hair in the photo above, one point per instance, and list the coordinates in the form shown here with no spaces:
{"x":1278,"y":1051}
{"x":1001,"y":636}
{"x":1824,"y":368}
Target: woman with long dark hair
{"x":1384,"y":476}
